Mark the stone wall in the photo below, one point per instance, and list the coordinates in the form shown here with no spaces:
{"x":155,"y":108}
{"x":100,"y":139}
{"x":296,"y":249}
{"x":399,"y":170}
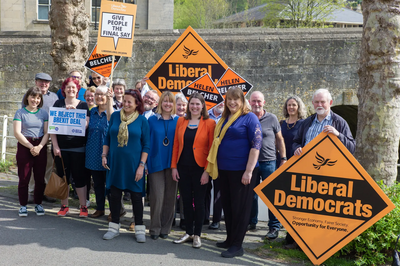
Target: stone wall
{"x":278,"y":62}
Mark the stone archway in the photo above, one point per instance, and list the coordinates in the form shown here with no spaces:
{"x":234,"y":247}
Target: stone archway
{"x":349,"y":113}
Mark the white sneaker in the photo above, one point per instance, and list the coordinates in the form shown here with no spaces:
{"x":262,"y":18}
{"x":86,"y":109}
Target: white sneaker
{"x":23,"y":212}
{"x":39,"y":209}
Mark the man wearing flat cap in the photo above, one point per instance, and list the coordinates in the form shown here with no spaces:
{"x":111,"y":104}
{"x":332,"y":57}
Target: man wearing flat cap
{"x":42,"y":80}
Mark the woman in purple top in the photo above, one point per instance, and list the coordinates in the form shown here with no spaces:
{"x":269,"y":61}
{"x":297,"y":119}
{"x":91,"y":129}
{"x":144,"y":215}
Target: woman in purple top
{"x":239,"y":134}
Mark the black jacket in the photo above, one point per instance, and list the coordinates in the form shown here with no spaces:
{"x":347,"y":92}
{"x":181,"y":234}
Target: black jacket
{"x":337,"y":122}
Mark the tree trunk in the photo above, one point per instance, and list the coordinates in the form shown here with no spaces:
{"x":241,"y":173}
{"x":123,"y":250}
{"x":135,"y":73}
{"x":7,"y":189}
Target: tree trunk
{"x":378,"y":128}
{"x":69,"y":24}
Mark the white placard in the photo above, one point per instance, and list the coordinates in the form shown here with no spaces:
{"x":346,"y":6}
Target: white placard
{"x":67,"y":122}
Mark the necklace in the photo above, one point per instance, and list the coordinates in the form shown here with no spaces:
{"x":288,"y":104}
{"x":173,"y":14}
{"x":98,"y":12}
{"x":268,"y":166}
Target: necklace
{"x":287,"y":125}
{"x":166,"y":140}
{"x":193,"y":125}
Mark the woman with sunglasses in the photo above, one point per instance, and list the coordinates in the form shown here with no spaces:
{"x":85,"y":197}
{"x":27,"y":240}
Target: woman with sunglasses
{"x":125,"y":152}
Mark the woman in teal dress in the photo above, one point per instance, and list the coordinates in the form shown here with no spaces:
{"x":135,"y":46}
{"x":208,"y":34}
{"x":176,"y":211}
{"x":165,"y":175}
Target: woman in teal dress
{"x":125,"y":152}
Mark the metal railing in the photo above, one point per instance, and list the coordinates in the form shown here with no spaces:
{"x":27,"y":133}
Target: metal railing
{"x":4,"y":138}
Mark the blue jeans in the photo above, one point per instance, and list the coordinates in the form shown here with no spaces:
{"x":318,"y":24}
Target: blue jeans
{"x":265,"y":170}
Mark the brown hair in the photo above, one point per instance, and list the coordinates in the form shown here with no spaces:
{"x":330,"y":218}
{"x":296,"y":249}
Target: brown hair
{"x":235,"y":93}
{"x":204,"y":112}
{"x":91,"y":89}
{"x":138,"y":99}
{"x":34,"y":91}
{"x":171,"y":97}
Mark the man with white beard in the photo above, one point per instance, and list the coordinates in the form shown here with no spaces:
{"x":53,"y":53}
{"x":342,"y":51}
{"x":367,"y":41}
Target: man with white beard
{"x":215,"y":114}
{"x":323,"y":120}
{"x":150,"y":101}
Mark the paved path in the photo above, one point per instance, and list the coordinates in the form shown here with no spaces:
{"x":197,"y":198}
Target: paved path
{"x":70,"y":240}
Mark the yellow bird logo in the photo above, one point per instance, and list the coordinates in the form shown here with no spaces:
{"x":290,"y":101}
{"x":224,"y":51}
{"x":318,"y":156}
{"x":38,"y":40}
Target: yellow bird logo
{"x":189,"y":52}
{"x":322,"y":161}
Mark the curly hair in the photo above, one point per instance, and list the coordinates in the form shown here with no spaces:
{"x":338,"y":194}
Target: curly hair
{"x":302,"y":113}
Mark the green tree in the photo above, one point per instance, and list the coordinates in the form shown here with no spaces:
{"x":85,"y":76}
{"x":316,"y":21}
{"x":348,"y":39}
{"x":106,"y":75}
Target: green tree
{"x":200,"y":14}
{"x":300,"y":13}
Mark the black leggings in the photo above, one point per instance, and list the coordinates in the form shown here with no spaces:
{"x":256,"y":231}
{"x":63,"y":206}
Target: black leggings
{"x":115,"y":205}
{"x":74,"y":163}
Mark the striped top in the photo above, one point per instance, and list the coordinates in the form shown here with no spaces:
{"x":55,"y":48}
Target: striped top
{"x":317,"y":127}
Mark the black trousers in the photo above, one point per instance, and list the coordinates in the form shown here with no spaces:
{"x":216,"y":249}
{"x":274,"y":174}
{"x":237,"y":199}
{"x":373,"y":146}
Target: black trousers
{"x":217,"y":204}
{"x":115,"y":205}
{"x":191,"y":189}
{"x":99,"y":183}
{"x":74,"y":163}
{"x":236,"y":202}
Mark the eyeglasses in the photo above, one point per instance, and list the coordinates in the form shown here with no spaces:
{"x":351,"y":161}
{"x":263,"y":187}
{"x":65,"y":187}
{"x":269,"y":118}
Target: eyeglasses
{"x":99,"y":94}
{"x":150,"y":98}
{"x":76,"y":77}
{"x":96,"y":77}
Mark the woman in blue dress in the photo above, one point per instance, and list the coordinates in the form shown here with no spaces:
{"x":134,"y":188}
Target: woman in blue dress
{"x":97,"y":130}
{"x":125,"y":152}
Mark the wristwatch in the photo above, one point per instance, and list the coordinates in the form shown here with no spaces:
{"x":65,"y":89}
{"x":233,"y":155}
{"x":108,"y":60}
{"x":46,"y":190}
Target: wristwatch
{"x":284,"y":158}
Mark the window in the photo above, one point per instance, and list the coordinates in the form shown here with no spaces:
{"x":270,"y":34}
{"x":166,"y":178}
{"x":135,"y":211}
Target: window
{"x":43,"y":9}
{"x":95,"y":8}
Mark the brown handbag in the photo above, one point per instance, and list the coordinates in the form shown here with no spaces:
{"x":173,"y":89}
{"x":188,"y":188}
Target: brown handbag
{"x":58,"y":186}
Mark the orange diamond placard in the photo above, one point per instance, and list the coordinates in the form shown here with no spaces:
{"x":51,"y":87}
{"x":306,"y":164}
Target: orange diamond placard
{"x":101,"y":63}
{"x":229,"y":79}
{"x":188,"y":59}
{"x":324,"y":198}
{"x":206,"y":87}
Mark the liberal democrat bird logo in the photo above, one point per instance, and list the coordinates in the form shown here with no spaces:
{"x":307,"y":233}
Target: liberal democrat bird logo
{"x":322,"y":161}
{"x":189,"y":52}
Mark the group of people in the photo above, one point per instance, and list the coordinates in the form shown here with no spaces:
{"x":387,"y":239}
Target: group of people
{"x":179,"y":145}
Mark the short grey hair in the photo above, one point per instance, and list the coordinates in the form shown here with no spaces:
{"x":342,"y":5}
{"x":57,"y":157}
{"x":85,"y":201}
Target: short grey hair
{"x":119,"y":82}
{"x":302,"y":113}
{"x":102,"y":89}
{"x":323,"y":91}
{"x":259,"y":93}
{"x":180,"y":96}
{"x":155,"y":93}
